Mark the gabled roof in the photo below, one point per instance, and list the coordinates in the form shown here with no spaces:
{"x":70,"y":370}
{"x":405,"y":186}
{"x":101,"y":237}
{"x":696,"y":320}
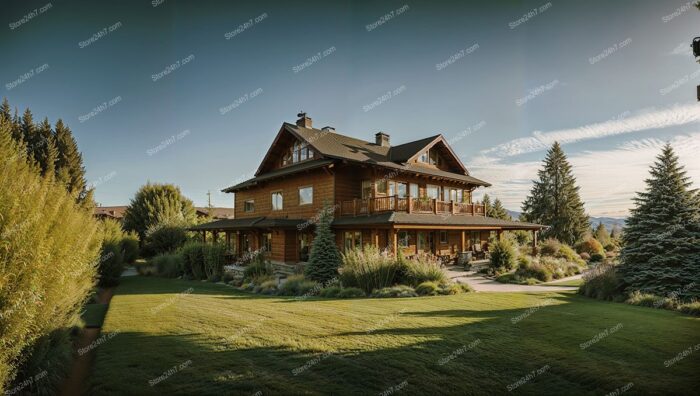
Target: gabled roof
{"x":334,"y":146}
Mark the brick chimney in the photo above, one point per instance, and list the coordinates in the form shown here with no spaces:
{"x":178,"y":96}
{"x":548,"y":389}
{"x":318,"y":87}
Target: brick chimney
{"x":381,"y":139}
{"x":303,"y":120}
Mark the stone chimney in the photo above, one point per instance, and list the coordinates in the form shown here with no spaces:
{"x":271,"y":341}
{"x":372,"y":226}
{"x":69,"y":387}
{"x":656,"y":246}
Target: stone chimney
{"x":381,"y":139}
{"x":303,"y":120}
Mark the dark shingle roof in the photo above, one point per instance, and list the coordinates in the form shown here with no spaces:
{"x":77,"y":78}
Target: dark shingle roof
{"x":398,"y":218}
{"x":280,"y":172}
{"x":249,"y":222}
{"x":403,"y":152}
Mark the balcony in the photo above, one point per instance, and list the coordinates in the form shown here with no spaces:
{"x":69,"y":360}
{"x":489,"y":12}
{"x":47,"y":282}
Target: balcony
{"x":367,"y":206}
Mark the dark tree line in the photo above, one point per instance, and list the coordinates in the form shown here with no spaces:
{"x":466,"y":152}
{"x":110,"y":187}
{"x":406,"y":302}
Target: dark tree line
{"x":52,"y":149}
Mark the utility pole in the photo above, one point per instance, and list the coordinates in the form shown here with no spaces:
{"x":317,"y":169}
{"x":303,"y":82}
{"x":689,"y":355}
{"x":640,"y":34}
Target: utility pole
{"x":209,"y":197}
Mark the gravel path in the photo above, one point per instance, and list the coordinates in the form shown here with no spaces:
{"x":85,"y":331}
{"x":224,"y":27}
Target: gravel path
{"x":479,"y":283}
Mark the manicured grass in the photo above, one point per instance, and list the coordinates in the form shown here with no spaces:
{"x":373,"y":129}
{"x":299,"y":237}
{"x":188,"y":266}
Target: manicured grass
{"x":221,"y":341}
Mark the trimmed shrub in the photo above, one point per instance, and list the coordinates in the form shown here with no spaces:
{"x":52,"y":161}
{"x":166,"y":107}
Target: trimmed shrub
{"x":193,"y":259}
{"x":169,"y":265}
{"x":503,"y":255}
{"x":368,"y":269}
{"x":298,"y":285}
{"x":395,"y":291}
{"x":427,"y":289}
{"x":591,"y":246}
{"x":602,"y":283}
{"x":569,"y":254}
{"x":130,"y":248}
{"x":268,"y":287}
{"x":214,"y":260}
{"x":111,"y":264}
{"x":330,"y":292}
{"x":165,"y":239}
{"x":351,"y":292}
{"x":48,"y":259}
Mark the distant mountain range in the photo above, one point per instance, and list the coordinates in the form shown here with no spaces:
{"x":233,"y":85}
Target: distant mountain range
{"x":609,"y":222}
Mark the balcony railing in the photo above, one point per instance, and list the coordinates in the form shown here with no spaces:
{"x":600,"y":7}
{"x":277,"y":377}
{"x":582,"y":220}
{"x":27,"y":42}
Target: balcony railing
{"x":359,"y":206}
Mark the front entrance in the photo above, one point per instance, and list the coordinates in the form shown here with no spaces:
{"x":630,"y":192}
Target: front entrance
{"x":426,"y":242}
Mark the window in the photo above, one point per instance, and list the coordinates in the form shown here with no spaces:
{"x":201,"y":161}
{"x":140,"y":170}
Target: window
{"x":249,"y":206}
{"x":422,"y":241}
{"x":413,"y":190}
{"x":467,"y":196}
{"x":434,"y":157}
{"x":423,"y":157}
{"x":299,"y":151}
{"x":353,"y":239}
{"x":401,"y":189}
{"x":446,"y":194}
{"x":392,"y":188}
{"x":403,"y":239}
{"x":460,"y":196}
{"x":277,"y":200}
{"x":306,"y":195}
{"x":381,"y":186}
{"x":366,"y":189}
{"x":267,"y":242}
{"x":432,"y":191}
{"x":443,"y":237}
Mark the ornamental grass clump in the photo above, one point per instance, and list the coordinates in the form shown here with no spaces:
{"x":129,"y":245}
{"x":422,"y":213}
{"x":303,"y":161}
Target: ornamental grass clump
{"x":368,"y":269}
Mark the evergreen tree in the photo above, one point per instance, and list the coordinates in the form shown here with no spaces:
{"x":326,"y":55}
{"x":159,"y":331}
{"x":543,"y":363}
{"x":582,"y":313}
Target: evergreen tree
{"x":554,"y":200}
{"x":69,"y":166}
{"x":601,"y":234}
{"x":488,"y":209}
{"x":44,"y":151}
{"x":661,"y":243}
{"x":156,"y":205}
{"x":324,"y":259}
{"x":28,"y":134}
{"x":5,"y":110}
{"x":616,"y":233}
{"x":498,"y":211}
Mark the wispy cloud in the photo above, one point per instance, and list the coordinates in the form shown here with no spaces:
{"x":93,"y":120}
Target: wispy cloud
{"x":683,"y":48}
{"x":644,"y":120}
{"x":608,"y":179}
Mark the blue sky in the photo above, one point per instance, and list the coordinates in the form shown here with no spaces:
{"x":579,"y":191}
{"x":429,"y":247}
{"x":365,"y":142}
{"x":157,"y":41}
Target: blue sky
{"x":612,"y":80}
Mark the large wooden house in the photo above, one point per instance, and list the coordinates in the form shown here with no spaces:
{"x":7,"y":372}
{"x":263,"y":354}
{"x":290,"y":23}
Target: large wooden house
{"x":415,"y":196}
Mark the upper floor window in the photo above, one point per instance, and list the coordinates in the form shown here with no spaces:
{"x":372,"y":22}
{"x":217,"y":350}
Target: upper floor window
{"x":277,"y":200}
{"x":249,"y":205}
{"x":300,"y":151}
{"x":382,"y":186}
{"x":306,"y":195}
{"x":431,"y":157}
{"x":366,"y":189}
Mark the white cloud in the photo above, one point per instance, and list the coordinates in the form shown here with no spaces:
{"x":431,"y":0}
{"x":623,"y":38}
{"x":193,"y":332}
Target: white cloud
{"x":608,"y":179}
{"x":684,"y":49}
{"x":644,"y":120}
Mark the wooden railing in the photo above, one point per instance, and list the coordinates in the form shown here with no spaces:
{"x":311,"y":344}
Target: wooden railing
{"x":358,"y":206}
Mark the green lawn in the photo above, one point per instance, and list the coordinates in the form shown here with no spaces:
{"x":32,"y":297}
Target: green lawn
{"x":571,"y":282}
{"x":214,"y":340}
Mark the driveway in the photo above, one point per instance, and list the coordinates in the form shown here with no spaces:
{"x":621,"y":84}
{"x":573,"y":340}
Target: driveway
{"x":481,"y":284}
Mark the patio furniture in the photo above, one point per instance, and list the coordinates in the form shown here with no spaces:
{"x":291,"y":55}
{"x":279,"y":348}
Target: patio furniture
{"x":478,"y":251}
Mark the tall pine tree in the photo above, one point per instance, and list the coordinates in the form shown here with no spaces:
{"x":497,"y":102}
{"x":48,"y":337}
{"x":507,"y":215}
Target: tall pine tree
{"x":601,"y":234}
{"x":498,"y":211}
{"x":488,"y":207}
{"x":554,"y":200}
{"x":661,"y":242}
{"x":324,"y":259}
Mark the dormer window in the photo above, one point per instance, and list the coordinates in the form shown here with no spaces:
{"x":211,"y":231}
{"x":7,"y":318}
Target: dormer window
{"x":431,"y":157}
{"x":300,"y":151}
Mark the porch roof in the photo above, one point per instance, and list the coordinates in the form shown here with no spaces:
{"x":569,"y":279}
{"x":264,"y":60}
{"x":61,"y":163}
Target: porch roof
{"x":421,"y":219}
{"x":227,"y":224}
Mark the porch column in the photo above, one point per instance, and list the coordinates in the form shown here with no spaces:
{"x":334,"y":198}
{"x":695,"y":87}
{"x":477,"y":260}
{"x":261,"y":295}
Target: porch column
{"x":375,"y":238}
{"x":216,"y":236}
{"x":462,"y":242}
{"x":395,"y":241}
{"x":499,"y":234}
{"x":228,"y":239}
{"x":534,"y":242}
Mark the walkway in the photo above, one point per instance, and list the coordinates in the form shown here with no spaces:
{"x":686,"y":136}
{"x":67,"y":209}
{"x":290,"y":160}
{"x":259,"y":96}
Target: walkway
{"x":481,"y":284}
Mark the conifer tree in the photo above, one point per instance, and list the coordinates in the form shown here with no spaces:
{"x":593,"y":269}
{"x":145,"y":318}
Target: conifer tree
{"x":499,"y":212}
{"x":554,"y":200}
{"x":44,"y":147}
{"x":601,"y":234}
{"x":28,"y":133}
{"x":661,"y":242}
{"x":324,"y":259}
{"x":69,"y":167}
{"x":616,"y":233}
{"x":488,"y":209}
